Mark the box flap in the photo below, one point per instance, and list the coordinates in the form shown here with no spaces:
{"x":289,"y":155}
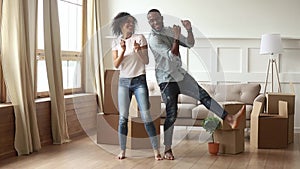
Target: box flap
{"x":283,"y":108}
{"x":257,"y":109}
{"x":273,"y":102}
{"x":232,"y":108}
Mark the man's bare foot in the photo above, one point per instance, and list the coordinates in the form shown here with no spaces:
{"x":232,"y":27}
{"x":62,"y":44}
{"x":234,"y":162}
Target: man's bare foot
{"x":234,"y":120}
{"x":121,"y":155}
{"x":169,"y":155}
{"x":157,"y":155}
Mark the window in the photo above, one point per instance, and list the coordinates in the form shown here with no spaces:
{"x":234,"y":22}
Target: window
{"x":71,"y":24}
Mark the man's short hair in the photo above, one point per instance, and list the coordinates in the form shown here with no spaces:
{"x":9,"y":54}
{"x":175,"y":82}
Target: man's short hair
{"x":154,"y":10}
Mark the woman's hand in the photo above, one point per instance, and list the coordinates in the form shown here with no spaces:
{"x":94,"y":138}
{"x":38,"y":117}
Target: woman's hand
{"x":137,"y":46}
{"x":123,"y":44}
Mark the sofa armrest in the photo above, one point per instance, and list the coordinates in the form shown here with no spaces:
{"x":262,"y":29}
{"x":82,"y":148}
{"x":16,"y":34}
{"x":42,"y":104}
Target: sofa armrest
{"x":260,"y":98}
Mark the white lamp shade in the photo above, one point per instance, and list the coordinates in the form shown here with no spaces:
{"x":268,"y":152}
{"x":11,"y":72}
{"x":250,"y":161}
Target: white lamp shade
{"x":270,"y":44}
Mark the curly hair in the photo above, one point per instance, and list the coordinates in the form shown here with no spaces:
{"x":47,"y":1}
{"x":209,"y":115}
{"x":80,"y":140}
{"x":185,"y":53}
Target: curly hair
{"x":119,"y":20}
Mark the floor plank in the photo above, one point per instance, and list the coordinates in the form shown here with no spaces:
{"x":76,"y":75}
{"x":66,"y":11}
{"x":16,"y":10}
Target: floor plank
{"x":83,"y":153}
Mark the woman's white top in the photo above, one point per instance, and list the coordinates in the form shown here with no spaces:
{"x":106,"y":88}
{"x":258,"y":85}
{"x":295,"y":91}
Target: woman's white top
{"x":131,"y":66}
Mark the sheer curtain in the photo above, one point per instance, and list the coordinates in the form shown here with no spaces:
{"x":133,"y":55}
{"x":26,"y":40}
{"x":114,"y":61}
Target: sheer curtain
{"x":18,"y":39}
{"x":93,"y":54}
{"x":54,"y":71}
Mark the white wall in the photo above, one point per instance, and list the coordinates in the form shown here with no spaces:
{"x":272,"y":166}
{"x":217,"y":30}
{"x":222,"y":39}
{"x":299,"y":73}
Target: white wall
{"x":220,"y":18}
{"x":233,"y":27}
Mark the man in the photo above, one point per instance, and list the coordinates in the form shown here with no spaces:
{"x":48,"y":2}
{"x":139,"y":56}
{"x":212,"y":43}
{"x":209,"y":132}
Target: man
{"x":173,"y":80}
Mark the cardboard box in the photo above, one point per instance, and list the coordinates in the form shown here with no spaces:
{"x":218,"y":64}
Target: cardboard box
{"x":272,"y":107}
{"x":291,"y":129}
{"x":111,"y":92}
{"x":269,"y":130}
{"x":274,"y":98}
{"x":233,"y":108}
{"x":155,"y":107}
{"x":107,"y":129}
{"x":231,"y":141}
{"x":137,"y":135}
{"x":133,"y":108}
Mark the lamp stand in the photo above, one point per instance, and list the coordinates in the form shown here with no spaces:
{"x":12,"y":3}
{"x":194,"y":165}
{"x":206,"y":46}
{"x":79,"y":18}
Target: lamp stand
{"x":272,"y":61}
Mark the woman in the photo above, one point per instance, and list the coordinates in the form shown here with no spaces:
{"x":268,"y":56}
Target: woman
{"x":130,"y":55}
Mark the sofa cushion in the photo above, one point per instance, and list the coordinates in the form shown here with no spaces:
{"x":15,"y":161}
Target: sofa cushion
{"x":245,"y":93}
{"x":186,"y":99}
{"x":201,"y":112}
{"x":184,"y":110}
{"x":153,"y":88}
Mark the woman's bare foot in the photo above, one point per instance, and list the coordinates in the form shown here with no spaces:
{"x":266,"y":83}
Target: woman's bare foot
{"x":169,"y":155}
{"x":157,"y":155}
{"x":234,"y":120}
{"x":121,"y":155}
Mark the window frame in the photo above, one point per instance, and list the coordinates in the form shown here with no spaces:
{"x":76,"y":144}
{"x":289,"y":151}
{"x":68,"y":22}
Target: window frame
{"x":40,"y":54}
{"x":66,"y":56}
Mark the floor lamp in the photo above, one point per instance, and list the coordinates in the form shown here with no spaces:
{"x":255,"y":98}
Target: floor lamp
{"x":271,"y":45}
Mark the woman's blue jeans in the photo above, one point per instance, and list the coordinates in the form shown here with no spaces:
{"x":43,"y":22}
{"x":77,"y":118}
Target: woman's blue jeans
{"x":188,"y":86}
{"x":138,"y":87}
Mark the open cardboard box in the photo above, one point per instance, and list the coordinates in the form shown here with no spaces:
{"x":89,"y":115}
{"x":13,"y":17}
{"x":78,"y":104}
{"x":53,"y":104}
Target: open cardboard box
{"x":274,"y":98}
{"x":231,"y":140}
{"x":269,"y":130}
{"x":272,"y":108}
{"x":233,"y":108}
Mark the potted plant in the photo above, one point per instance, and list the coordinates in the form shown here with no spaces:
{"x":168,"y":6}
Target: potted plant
{"x":211,"y":124}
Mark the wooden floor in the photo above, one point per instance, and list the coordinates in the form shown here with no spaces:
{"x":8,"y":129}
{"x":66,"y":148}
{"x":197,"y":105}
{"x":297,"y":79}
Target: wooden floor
{"x":190,"y":152}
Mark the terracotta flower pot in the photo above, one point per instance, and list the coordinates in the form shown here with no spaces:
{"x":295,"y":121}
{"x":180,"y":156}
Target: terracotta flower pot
{"x":213,"y":148}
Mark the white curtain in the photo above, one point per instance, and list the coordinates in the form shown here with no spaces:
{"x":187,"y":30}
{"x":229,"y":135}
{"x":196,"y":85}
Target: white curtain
{"x":18,"y":37}
{"x":93,"y":54}
{"x":54,"y":71}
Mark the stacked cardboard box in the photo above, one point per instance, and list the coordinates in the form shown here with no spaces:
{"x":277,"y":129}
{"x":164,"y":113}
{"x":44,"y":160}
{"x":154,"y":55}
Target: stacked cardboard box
{"x":231,"y":140}
{"x":107,"y":129}
{"x":137,"y":135}
{"x":111,"y":92}
{"x":272,"y":108}
{"x":107,"y":122}
{"x":269,"y":130}
{"x":155,"y":105}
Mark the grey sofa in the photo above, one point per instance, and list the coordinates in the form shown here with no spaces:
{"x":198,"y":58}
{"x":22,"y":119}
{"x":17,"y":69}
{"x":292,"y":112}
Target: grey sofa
{"x":191,"y":112}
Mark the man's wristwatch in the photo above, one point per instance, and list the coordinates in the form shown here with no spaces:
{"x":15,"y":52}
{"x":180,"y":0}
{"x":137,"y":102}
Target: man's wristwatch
{"x":176,"y":41}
